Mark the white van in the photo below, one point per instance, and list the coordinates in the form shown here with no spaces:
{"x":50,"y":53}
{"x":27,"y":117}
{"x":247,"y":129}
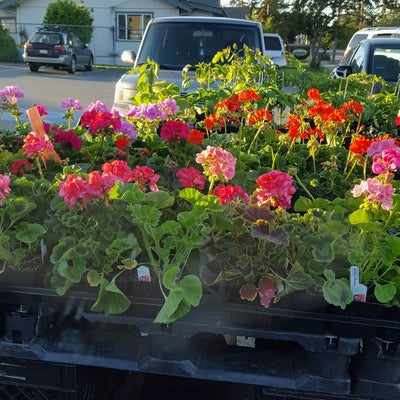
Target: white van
{"x":371,"y":32}
{"x":174,"y":42}
{"x":274,"y":49}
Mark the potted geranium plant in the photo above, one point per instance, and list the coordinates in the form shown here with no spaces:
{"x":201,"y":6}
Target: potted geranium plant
{"x":234,"y":183}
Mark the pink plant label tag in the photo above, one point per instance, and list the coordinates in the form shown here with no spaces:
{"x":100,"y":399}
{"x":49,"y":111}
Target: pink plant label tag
{"x":359,"y":291}
{"x":143,"y":273}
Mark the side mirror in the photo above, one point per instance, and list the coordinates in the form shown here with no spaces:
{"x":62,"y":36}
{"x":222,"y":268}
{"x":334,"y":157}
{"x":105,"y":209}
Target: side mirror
{"x":128,"y":57}
{"x":342,"y":71}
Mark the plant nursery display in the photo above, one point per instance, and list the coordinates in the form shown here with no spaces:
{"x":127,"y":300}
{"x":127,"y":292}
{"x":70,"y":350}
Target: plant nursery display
{"x":238,"y":186}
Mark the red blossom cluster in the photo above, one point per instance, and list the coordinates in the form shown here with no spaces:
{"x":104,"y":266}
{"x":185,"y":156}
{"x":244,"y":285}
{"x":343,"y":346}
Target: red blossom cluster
{"x":231,"y":110}
{"x":321,"y":117}
{"x":66,"y":137}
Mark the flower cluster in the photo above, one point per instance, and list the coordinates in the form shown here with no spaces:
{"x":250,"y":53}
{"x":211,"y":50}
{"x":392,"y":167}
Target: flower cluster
{"x":271,"y":195}
{"x":77,"y":191}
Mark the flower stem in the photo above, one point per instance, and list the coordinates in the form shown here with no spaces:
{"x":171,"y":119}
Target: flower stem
{"x":39,"y":167}
{"x":303,"y":187}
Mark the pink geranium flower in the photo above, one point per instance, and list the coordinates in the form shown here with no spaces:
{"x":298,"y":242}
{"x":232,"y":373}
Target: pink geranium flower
{"x":377,"y":146}
{"x":275,"y":189}
{"x":4,"y":188}
{"x":388,"y":161}
{"x":191,"y":178}
{"x":75,"y":191}
{"x":218,"y":163}
{"x":174,"y":130}
{"x":37,"y":145}
{"x":119,"y":168}
{"x":375,"y":191}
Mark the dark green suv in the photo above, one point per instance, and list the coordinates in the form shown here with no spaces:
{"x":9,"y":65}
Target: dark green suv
{"x":57,"y":48}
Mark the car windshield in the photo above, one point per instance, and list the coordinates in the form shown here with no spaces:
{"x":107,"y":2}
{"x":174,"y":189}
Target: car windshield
{"x":386,"y":62}
{"x":174,"y":45}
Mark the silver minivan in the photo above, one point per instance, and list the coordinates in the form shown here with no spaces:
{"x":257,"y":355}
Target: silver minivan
{"x":174,"y":42}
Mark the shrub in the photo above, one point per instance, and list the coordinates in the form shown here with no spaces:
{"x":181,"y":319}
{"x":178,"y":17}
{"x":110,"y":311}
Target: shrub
{"x":8,"y":47}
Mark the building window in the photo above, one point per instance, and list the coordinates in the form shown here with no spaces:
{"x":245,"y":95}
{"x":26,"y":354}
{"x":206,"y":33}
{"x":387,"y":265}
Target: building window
{"x":132,"y":26}
{"x":10,"y":24}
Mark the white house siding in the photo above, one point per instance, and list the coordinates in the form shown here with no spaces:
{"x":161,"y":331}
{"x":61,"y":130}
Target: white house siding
{"x":106,"y":48}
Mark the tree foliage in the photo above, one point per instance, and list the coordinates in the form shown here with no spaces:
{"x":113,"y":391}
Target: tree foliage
{"x":323,"y":23}
{"x":72,"y":15}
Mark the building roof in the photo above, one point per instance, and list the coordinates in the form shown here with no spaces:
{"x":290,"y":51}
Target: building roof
{"x":7,"y":3}
{"x":212,"y":6}
{"x":236,"y":12}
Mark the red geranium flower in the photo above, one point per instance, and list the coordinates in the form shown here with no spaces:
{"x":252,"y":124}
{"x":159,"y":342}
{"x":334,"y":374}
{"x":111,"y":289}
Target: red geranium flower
{"x":195,"y":136}
{"x":20,"y":167}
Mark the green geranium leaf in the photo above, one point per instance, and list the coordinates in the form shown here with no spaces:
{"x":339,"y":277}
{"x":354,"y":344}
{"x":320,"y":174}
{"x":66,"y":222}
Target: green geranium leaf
{"x":169,"y":277}
{"x":121,"y":245}
{"x":145,"y":214}
{"x":192,"y":289}
{"x":160,"y":199}
{"x":31,"y":233}
{"x":201,"y":201}
{"x":72,"y":272}
{"x":171,"y":305}
{"x":111,"y":300}
{"x":385,"y":293}
{"x":94,"y":278}
{"x":298,"y":279}
{"x":337,"y":292}
{"x":302,"y":204}
{"x":18,"y":208}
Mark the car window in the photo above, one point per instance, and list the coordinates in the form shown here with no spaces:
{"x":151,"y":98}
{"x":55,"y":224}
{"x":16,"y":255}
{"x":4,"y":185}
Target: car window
{"x":357,"y":39}
{"x":358,"y":59}
{"x":272,"y":43}
{"x":75,"y":41}
{"x":386,"y":63}
{"x":176,"y":45}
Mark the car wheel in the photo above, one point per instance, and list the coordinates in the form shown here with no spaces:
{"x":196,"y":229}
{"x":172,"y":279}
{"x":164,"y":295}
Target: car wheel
{"x":33,"y":67}
{"x":89,"y":66}
{"x":72,"y":66}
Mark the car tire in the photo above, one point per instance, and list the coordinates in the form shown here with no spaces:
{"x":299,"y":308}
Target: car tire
{"x":72,"y":66}
{"x":89,"y":66}
{"x":33,"y":67}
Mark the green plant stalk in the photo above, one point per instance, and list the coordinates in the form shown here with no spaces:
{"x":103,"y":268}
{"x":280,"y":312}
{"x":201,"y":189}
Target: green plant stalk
{"x":39,"y":167}
{"x":254,"y":140}
{"x":303,"y":186}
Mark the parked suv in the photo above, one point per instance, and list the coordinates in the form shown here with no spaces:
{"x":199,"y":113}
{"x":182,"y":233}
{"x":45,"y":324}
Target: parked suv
{"x":174,"y":42}
{"x":58,"y":48}
{"x":371,"y":32}
{"x":274,"y":49}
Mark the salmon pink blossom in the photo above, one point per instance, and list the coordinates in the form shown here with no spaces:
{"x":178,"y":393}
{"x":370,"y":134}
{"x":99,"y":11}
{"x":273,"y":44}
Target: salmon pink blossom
{"x":375,"y":191}
{"x":218,"y":163}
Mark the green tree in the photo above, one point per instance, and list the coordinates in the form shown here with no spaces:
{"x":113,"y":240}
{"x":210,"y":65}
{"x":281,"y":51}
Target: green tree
{"x":72,"y":15}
